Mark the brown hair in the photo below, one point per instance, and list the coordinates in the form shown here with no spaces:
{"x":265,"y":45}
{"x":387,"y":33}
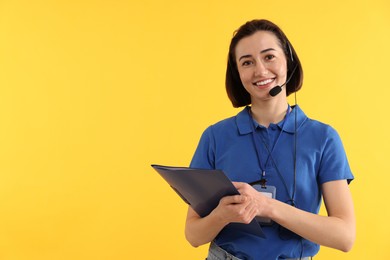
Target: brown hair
{"x":235,"y":90}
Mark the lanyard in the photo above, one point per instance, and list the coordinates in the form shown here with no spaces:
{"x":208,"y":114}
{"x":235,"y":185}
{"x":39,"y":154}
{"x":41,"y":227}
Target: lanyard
{"x":258,"y":139}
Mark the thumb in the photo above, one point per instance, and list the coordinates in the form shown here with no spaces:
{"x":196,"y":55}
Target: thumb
{"x":236,"y":199}
{"x":238,"y":185}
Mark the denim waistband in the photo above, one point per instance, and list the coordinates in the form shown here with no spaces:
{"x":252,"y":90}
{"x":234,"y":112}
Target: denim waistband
{"x":217,"y":253}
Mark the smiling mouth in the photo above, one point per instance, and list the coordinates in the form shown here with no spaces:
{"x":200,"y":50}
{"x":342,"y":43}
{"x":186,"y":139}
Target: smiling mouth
{"x":263,"y":82}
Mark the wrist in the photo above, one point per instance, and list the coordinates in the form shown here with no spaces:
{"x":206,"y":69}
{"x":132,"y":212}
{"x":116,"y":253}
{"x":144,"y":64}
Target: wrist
{"x":269,"y":209}
{"x":218,"y":219}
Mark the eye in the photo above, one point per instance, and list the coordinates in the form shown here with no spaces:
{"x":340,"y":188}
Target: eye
{"x":246,"y":63}
{"x":270,"y":57}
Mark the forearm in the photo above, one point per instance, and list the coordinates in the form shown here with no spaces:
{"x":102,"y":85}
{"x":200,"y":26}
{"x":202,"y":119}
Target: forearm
{"x":332,"y":231}
{"x":199,"y":231}
{"x":236,"y":208}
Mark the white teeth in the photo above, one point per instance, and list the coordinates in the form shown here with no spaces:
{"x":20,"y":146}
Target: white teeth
{"x":261,"y":83}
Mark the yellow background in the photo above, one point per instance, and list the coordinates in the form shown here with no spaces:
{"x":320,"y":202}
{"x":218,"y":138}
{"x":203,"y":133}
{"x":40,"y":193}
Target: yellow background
{"x":93,"y":92}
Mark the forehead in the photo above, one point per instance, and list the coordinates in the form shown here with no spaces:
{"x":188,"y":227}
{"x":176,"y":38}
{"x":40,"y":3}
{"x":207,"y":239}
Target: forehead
{"x":257,"y":42}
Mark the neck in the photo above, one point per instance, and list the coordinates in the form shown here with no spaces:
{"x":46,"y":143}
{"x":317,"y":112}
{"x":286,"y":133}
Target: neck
{"x":269,"y":113}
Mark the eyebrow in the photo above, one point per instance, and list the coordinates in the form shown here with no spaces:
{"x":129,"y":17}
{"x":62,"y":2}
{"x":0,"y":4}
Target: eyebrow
{"x":263,"y":51}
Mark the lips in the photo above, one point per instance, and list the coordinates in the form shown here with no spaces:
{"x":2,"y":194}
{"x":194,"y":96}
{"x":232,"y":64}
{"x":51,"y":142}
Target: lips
{"x":263,"y":83}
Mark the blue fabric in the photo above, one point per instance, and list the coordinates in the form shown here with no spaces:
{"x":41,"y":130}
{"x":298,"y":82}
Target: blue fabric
{"x":228,"y":145}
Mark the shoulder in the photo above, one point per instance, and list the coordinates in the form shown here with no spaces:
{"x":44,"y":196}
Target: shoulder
{"x":318,"y":134}
{"x":319,"y":128}
{"x":224,"y":124}
{"x":230,"y":125}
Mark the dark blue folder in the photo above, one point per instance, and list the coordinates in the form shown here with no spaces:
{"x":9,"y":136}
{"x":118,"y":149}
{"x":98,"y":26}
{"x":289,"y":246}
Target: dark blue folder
{"x":202,"y":190}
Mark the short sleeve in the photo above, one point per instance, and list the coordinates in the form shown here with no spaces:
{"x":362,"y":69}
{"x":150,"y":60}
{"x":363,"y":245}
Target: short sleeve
{"x":204,"y":157}
{"x":334,"y":163}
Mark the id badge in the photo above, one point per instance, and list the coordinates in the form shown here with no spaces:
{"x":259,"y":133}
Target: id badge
{"x":270,"y":192}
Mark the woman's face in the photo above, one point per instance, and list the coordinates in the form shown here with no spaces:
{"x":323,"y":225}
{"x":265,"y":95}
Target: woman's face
{"x":261,"y":64}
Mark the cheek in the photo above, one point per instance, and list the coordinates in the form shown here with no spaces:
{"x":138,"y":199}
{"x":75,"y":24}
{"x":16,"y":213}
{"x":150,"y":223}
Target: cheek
{"x":283,"y":70}
{"x":245,"y":77}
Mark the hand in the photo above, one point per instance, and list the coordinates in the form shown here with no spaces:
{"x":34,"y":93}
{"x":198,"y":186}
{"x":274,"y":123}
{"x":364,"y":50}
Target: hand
{"x":237,"y":208}
{"x":259,"y":201}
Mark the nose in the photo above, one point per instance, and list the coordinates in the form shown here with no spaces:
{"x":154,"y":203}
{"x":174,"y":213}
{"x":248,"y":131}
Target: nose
{"x":260,"y":69}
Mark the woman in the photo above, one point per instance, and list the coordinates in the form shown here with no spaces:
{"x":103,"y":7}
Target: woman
{"x":276,"y":147}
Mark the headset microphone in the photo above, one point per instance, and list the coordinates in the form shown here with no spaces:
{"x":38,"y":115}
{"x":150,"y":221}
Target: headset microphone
{"x":277,"y":89}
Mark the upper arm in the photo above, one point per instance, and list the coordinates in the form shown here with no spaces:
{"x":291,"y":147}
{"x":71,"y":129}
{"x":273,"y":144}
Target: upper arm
{"x":204,"y":154}
{"x":338,"y":200}
{"x":333,"y":162}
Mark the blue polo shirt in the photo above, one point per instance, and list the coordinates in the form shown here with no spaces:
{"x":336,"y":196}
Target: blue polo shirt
{"x":229,"y":146}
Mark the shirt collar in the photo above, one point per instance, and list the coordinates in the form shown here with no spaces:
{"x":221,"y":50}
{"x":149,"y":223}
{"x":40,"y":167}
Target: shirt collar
{"x":243,"y":120}
{"x":290,"y":123}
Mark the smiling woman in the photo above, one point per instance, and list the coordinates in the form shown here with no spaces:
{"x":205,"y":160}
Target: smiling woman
{"x":93,"y":91}
{"x":281,"y":51}
{"x":261,"y":64}
{"x":268,"y":143}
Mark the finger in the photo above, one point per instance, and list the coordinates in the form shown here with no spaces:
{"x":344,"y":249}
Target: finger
{"x":251,"y":213}
{"x":243,"y":188}
{"x":238,"y":185}
{"x":246,"y":214}
{"x":235,"y":199}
